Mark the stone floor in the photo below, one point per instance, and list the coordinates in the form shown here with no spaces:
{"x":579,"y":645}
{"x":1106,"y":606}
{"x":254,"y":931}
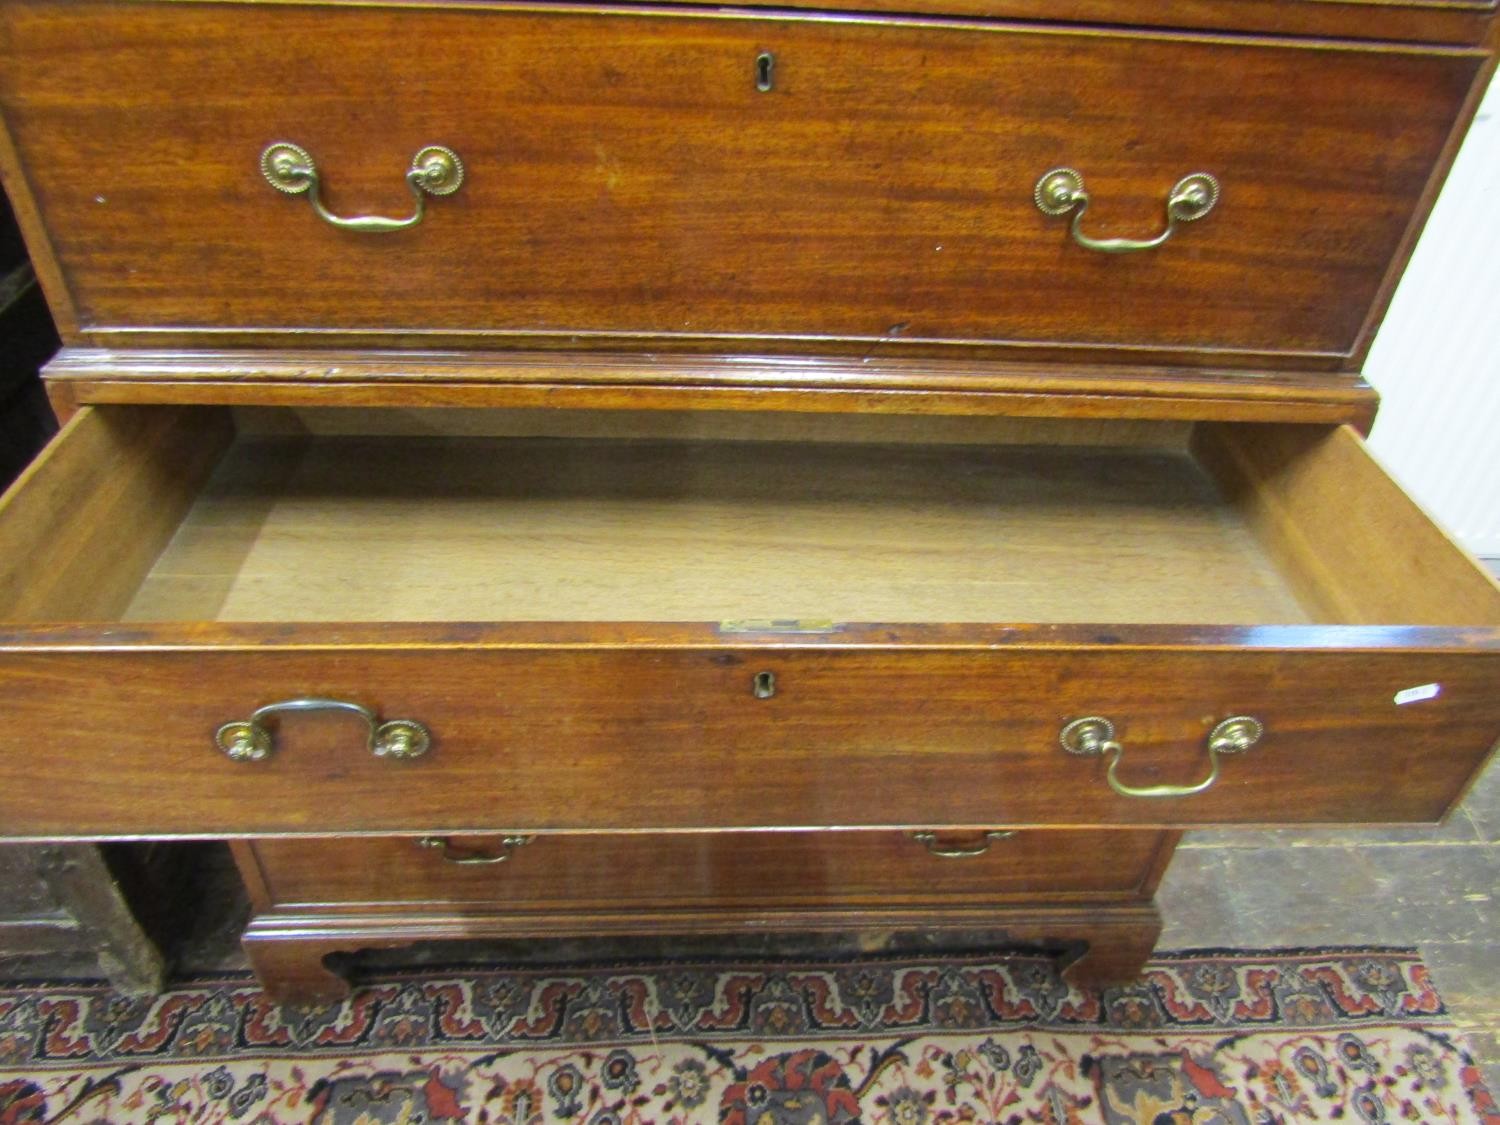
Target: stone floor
{"x":1434,"y":888}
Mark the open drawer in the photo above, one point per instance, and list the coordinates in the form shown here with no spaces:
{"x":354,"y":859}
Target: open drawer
{"x":544,"y":633}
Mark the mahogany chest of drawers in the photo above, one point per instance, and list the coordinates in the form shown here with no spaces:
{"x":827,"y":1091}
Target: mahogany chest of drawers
{"x":544,"y":468}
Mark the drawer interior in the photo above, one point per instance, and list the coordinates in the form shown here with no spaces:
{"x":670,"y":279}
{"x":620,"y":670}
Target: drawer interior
{"x":199,"y":514}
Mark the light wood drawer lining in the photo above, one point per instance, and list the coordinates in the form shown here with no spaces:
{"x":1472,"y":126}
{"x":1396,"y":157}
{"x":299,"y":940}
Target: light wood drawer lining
{"x":116,"y":520}
{"x":421,"y":529}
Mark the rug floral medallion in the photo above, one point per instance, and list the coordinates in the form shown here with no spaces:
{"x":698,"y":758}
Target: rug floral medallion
{"x":1357,"y":1036}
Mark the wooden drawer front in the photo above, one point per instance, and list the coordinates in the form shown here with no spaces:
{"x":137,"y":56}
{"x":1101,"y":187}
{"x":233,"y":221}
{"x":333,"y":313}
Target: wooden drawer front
{"x":685,"y":871}
{"x":898,"y":729}
{"x":1378,"y":683}
{"x":627,"y":181}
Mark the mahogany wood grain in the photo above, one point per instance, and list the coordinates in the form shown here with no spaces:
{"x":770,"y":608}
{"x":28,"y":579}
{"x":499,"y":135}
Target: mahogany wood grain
{"x":292,"y":967}
{"x":13,"y":180}
{"x":1098,"y":945}
{"x":317,"y":897}
{"x":636,"y":190}
{"x":883,"y":728}
{"x":1126,"y":357}
{"x":766,"y":871}
{"x":1438,"y":22}
{"x":1457,"y":22}
{"x":721,"y":384}
{"x":1115,"y":946}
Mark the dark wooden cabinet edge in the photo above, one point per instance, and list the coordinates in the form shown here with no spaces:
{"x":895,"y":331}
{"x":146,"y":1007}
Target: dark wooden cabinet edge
{"x":1423,"y":213}
{"x":756,"y":383}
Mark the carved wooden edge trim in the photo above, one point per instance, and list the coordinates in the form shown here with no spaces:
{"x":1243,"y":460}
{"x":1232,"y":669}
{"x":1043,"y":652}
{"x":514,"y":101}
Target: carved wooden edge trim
{"x":296,"y":970}
{"x":1434,"y":25}
{"x":462,"y":921}
{"x":725,"y":368}
{"x":1098,"y":945}
{"x":291,"y":337}
{"x":1459,"y":22}
{"x":610,"y":381}
{"x":1114,"y":947}
{"x":538,"y":917}
{"x":354,"y":639}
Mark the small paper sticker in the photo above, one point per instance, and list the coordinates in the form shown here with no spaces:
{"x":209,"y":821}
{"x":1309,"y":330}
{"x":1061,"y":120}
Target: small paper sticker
{"x":1418,"y":694}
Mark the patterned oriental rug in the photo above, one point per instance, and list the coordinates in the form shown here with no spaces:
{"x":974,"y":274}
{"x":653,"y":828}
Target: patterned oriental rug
{"x":1202,"y":1039}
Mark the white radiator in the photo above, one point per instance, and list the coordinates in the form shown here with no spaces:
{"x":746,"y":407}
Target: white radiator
{"x":1436,"y":361}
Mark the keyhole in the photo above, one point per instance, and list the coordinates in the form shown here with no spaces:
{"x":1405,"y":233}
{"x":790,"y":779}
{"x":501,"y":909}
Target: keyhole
{"x":765,"y":685}
{"x":765,"y":63}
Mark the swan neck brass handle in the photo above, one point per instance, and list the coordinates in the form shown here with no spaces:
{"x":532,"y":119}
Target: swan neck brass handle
{"x":473,"y":857}
{"x":253,"y":740}
{"x":435,"y":170}
{"x":1061,"y":191}
{"x":1094,"y":735}
{"x":930,"y":841}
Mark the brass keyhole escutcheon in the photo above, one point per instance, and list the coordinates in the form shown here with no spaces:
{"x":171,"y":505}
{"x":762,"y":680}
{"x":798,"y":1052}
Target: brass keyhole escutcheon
{"x":764,"y":685}
{"x":765,"y":72}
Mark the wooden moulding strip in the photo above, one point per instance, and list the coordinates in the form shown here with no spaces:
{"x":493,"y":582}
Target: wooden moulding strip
{"x":736,"y":383}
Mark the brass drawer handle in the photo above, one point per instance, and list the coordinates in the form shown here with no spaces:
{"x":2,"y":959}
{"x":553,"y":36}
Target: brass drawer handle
{"x":929,"y":840}
{"x":472,"y":857}
{"x":250,"y":740}
{"x":1061,"y":190}
{"x":1094,"y":735}
{"x":435,"y":170}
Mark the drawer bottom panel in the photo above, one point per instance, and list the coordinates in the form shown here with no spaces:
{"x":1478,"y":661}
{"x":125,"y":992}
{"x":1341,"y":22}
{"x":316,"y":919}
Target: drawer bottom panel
{"x":639,"y":873}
